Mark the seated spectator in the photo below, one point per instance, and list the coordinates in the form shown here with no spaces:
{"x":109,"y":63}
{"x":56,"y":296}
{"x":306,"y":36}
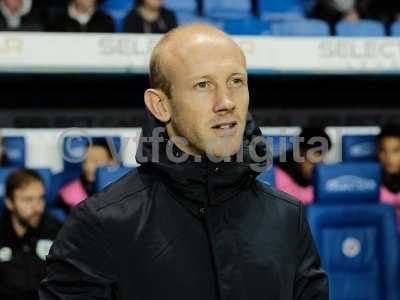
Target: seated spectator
{"x":26,"y":234}
{"x":3,"y":157}
{"x":294,"y":175}
{"x":19,"y":15}
{"x":386,"y":11}
{"x":389,"y":157}
{"x":82,"y":16}
{"x":333,"y":11}
{"x":149,"y":16}
{"x":99,"y":154}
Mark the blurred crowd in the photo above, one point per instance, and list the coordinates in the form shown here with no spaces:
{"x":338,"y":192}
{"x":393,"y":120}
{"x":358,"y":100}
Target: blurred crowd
{"x":151,"y":16}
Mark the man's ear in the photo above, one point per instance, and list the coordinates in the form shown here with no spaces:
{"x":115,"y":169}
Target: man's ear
{"x":157,"y":103}
{"x":9,"y":204}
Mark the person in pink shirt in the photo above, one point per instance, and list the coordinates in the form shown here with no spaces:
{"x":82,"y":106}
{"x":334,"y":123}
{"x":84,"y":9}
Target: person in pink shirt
{"x":294,"y":173}
{"x":74,"y":192}
{"x":389,"y":157}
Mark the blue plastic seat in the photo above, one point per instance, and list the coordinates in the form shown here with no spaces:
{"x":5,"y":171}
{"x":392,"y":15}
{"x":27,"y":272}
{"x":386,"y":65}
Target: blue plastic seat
{"x":15,"y":150}
{"x":108,"y":174}
{"x":280,"y":144}
{"x":4,"y":172}
{"x":184,"y":18}
{"x":246,"y":27}
{"x":395,"y":29}
{"x":75,"y":147}
{"x":308,"y":28}
{"x":359,"y":148}
{"x":227,"y":9}
{"x":268,"y":176}
{"x":117,"y":9}
{"x":363,"y":28}
{"x":355,"y":234}
{"x":179,"y":6}
{"x":280,"y":10}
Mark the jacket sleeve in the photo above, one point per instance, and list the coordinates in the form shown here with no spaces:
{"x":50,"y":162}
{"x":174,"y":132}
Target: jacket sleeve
{"x":311,"y":281}
{"x":79,"y":265}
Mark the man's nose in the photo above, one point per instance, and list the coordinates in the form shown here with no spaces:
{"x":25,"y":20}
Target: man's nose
{"x":223,"y":101}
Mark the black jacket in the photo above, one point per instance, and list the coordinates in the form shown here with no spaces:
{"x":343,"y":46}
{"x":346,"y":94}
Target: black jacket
{"x":22,"y":264}
{"x":100,"y":22}
{"x":29,"y":22}
{"x":192,"y":230}
{"x":134,"y":22}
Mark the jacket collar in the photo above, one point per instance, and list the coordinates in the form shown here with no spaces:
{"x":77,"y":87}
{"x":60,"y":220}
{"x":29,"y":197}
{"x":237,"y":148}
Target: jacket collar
{"x":199,"y":179}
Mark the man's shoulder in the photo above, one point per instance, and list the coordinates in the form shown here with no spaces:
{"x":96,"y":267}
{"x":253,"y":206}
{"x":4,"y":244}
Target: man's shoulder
{"x":281,"y":197}
{"x":126,"y":191}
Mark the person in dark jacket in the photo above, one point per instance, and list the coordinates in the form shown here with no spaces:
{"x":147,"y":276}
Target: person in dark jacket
{"x":149,"y":16}
{"x":26,"y":234}
{"x":19,"y":15}
{"x":82,"y":16}
{"x":294,"y":174}
{"x":191,"y":222}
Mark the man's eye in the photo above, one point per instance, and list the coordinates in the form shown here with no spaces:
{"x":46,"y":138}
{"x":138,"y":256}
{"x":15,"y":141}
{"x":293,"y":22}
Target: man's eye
{"x":237,"y":81}
{"x":202,"y":84}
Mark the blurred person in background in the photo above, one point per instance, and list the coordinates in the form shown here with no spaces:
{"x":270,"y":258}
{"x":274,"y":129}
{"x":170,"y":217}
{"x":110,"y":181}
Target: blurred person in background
{"x":389,"y":157}
{"x":149,"y":16}
{"x":26,"y":234}
{"x":333,"y":11}
{"x":74,"y":192}
{"x":294,"y":175}
{"x":3,"y":156}
{"x":386,"y":11}
{"x":82,"y":16}
{"x":19,"y":15}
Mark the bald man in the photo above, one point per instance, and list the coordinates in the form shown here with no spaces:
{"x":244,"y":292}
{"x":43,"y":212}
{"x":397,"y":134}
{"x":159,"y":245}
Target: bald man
{"x":191,"y":222}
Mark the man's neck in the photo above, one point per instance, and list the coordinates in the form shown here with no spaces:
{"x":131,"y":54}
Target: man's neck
{"x":20,"y":230}
{"x":182,"y":145}
{"x":82,"y":10}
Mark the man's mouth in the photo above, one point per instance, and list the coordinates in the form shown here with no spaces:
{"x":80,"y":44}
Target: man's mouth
{"x":225,"y":128}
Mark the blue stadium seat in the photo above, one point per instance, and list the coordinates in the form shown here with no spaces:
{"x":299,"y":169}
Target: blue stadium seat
{"x":355,"y":235}
{"x":301,"y":28}
{"x":117,"y":9}
{"x":227,"y":9}
{"x":280,"y":10}
{"x":15,"y":150}
{"x":187,"y":6}
{"x":184,"y":18}
{"x":268,"y":176}
{"x":246,"y":27}
{"x":4,"y":172}
{"x":47,"y":177}
{"x":364,"y":28}
{"x":395,"y":29}
{"x":359,"y":148}
{"x":74,"y":149}
{"x":57,"y":213}
{"x":108,"y":174}
{"x":341,"y":183}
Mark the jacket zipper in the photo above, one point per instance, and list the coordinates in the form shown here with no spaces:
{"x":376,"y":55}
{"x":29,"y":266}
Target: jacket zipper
{"x":203,"y":212}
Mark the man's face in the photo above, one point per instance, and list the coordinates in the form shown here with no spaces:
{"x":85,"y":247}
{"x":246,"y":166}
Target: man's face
{"x":96,"y":157}
{"x":154,"y":4}
{"x":28,"y":203}
{"x":13,"y":5}
{"x":85,"y":4}
{"x":389,"y":154}
{"x":210,"y":97}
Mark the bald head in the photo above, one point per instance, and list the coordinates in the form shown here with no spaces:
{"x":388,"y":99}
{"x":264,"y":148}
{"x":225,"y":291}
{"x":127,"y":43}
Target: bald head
{"x":178,"y":44}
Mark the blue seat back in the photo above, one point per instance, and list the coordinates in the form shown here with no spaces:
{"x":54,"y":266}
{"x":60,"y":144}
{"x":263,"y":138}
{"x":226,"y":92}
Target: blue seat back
{"x":4,"y":172}
{"x":358,"y":249}
{"x":364,"y":28}
{"x":227,"y":9}
{"x":15,"y":150}
{"x":187,"y":6}
{"x":108,"y":174}
{"x":359,"y":148}
{"x":248,"y":26}
{"x":268,"y":176}
{"x":301,"y":28}
{"x":280,"y":10}
{"x":347,"y":183}
{"x":117,"y":9}
{"x":395,"y":29}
